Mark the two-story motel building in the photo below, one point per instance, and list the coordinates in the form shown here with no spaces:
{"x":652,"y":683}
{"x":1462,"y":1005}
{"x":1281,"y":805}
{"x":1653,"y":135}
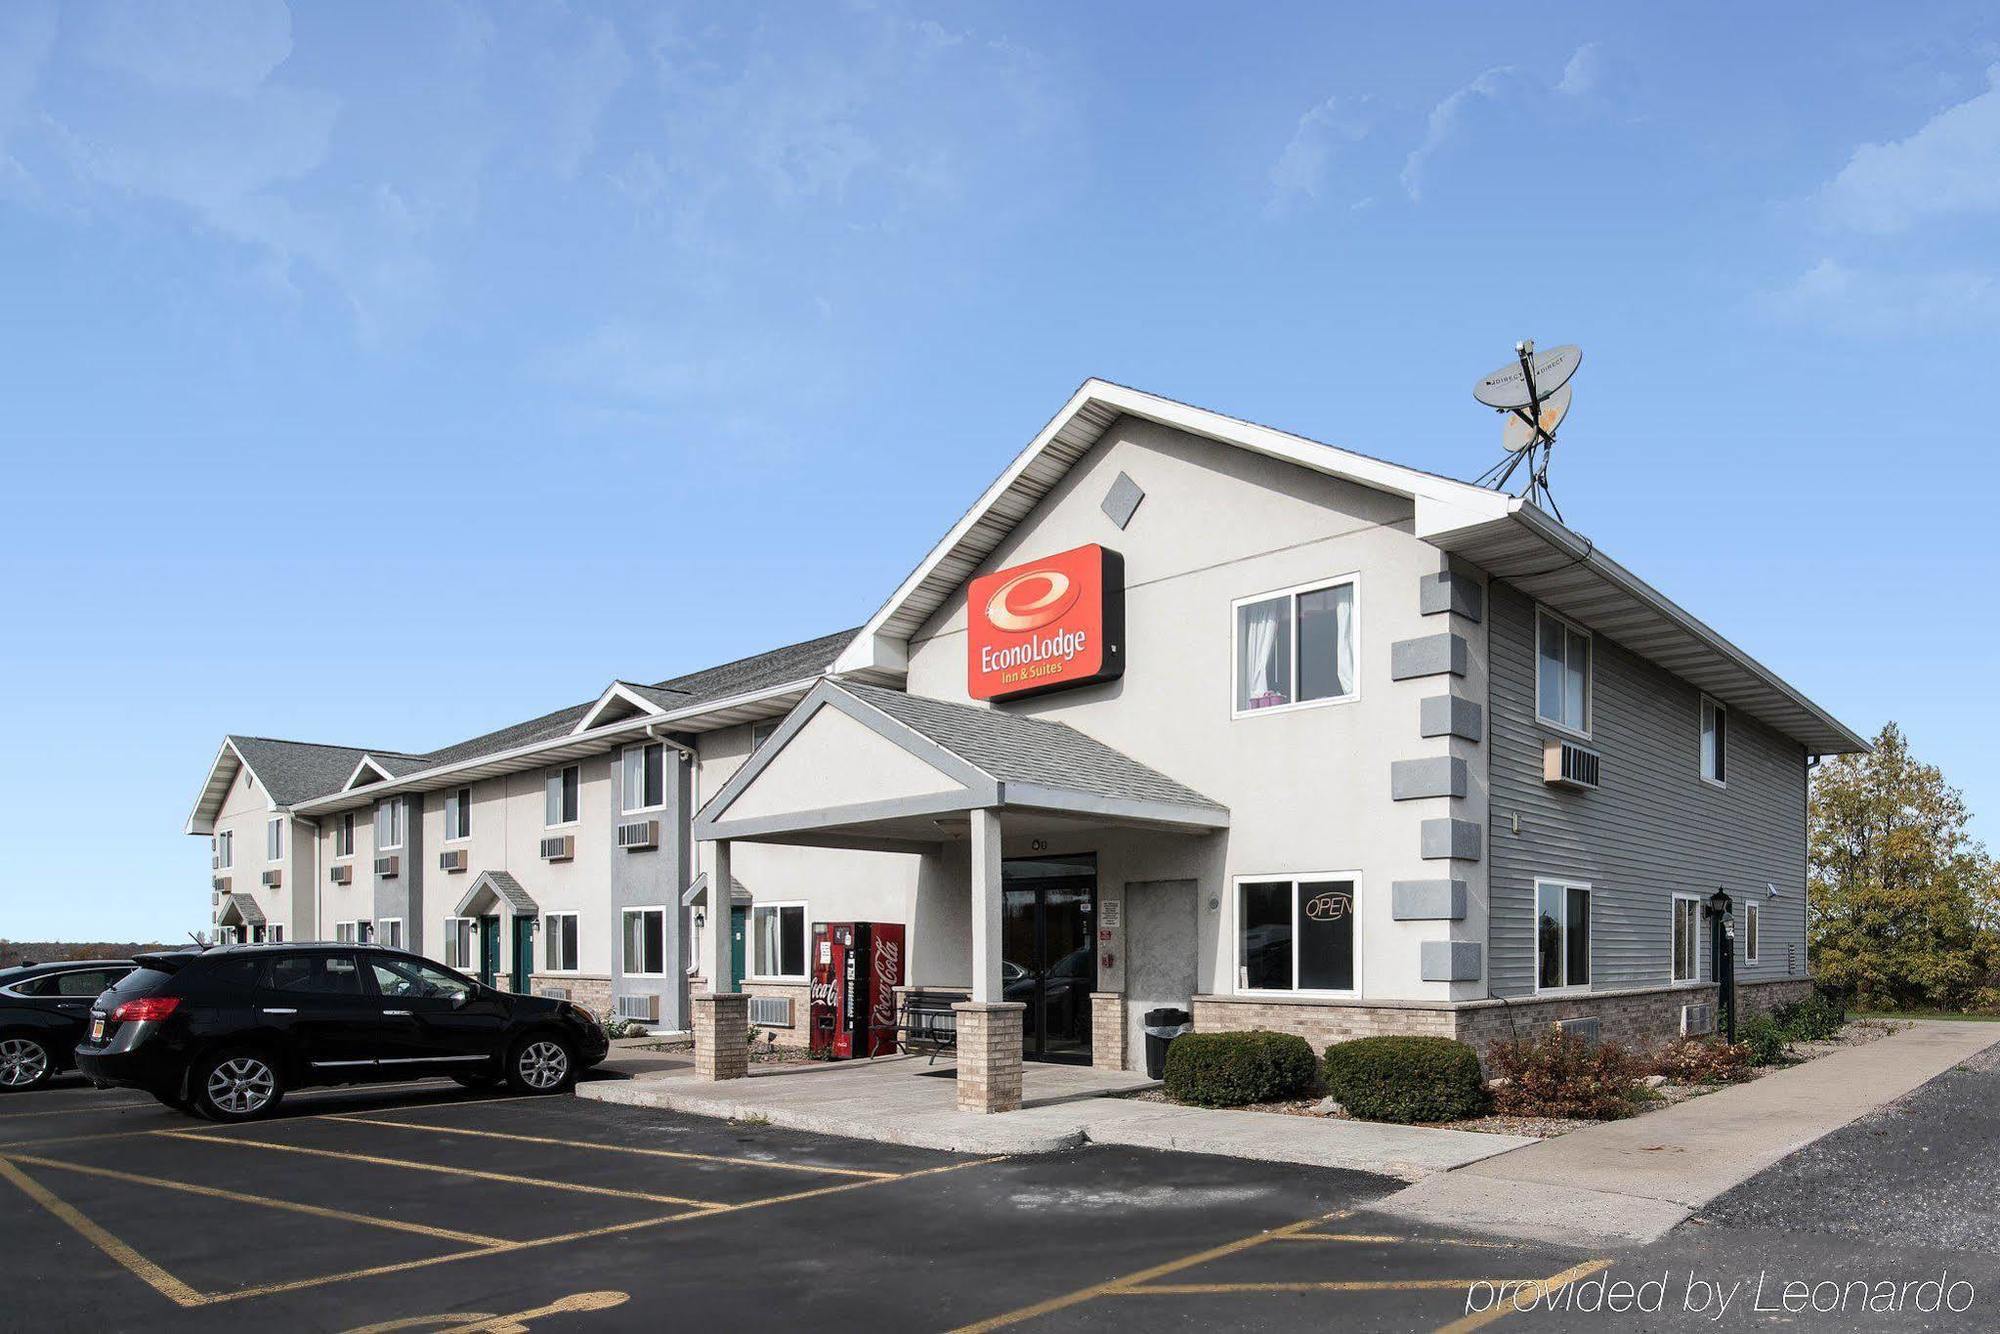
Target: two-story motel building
{"x":1184,"y":711}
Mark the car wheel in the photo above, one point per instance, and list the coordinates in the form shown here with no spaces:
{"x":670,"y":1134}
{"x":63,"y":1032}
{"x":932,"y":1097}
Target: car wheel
{"x":237,"y":1086}
{"x":24,"y":1064}
{"x":540,"y":1063}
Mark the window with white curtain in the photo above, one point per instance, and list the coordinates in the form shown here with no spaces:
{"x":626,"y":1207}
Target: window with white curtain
{"x":559,"y":942}
{"x":389,"y":825}
{"x":1297,"y":646}
{"x":559,"y":797}
{"x":1687,"y":938}
{"x":391,"y":931}
{"x":1562,"y":673}
{"x":225,"y":850}
{"x":778,"y":940}
{"x":458,"y":942}
{"x":343,"y":835}
{"x":643,"y":786}
{"x":1750,"y":915}
{"x":1714,"y":742}
{"x":458,"y":814}
{"x":645,"y":942}
{"x":274,"y":839}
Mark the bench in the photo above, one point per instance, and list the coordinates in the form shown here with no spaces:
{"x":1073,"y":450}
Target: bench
{"x":926,"y":1023}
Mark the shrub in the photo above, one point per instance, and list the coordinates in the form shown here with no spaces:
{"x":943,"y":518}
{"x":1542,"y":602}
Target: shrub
{"x":1406,"y":1079}
{"x":617,"y":1026}
{"x":1814,"y":1019}
{"x":1702,"y":1061}
{"x":1763,"y":1037}
{"x":1237,"y":1069}
{"x":1559,"y":1074}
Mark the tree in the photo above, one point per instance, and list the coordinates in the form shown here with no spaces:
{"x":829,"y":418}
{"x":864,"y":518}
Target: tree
{"x":1902,"y":901}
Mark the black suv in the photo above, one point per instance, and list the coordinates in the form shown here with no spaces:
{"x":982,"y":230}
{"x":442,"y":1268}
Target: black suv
{"x":43,"y":1010}
{"x":226,"y":1032}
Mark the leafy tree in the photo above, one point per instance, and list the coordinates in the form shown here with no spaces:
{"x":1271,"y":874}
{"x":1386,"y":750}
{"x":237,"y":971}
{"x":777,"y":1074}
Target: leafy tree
{"x":1904,"y":904}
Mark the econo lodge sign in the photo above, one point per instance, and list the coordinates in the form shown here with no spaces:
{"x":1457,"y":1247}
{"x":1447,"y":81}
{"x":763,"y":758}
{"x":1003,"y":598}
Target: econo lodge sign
{"x":1047,"y":625}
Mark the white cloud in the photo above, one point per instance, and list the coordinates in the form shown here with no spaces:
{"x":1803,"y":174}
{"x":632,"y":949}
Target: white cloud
{"x":1876,"y":303}
{"x":1300,"y":172}
{"x":210,"y":46}
{"x":1445,"y":120}
{"x":1583,"y":72}
{"x":1951,"y":166}
{"x":579,"y":73}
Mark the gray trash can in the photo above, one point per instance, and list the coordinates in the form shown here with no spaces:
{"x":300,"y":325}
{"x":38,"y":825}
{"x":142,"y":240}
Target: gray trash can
{"x":1162,"y":1027}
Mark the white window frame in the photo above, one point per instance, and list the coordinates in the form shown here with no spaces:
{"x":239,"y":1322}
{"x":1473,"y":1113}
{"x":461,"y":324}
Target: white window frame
{"x":1297,"y":878}
{"x":1351,"y":579}
{"x":225,"y":850}
{"x":1673,"y":930}
{"x":275,"y":933}
{"x":1753,"y":922}
{"x":1589,"y":676}
{"x":557,"y":777}
{"x":462,"y":796}
{"x":344,"y":933}
{"x":624,"y":935}
{"x":343,"y":837}
{"x":767,"y":727}
{"x":1701,"y":709}
{"x":1589,"y":945}
{"x":550,"y":936}
{"x":274,"y":833}
{"x":393,"y":805}
{"x":805,"y":946}
{"x":364,"y":932}
{"x":625,"y":789}
{"x":382,"y":933}
{"x":459,"y":934}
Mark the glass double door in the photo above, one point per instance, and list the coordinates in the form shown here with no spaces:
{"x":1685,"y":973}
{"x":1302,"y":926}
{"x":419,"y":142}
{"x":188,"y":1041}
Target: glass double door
{"x":1048,"y":956}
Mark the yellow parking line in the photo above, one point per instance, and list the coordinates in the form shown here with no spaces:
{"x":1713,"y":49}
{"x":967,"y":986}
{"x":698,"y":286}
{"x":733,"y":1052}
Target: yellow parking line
{"x":1342,"y":1285}
{"x":358,"y":1120}
{"x":159,"y":1279}
{"x":1366,"y":1237}
{"x":237,"y":1197}
{"x":1554,"y":1283}
{"x":443,"y":1169}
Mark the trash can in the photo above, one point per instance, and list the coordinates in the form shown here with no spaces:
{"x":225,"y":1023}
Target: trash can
{"x":1162,"y":1027}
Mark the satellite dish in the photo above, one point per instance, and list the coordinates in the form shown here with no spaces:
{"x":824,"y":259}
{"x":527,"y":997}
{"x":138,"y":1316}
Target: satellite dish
{"x":1509,"y":388}
{"x":1515,"y":432}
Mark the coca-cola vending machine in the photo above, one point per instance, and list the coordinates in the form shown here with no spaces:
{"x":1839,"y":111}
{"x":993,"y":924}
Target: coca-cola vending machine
{"x":857,"y":967}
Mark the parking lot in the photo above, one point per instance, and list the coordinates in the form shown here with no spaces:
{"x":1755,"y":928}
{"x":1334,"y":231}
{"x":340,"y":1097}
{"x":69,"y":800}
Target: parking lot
{"x":427,"y":1208}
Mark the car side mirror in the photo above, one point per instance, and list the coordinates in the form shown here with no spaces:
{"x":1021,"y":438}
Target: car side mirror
{"x":459,"y":998}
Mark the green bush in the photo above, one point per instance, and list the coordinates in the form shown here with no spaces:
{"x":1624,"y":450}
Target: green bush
{"x":1765,"y":1037}
{"x":1814,"y":1019}
{"x":1406,"y":1079}
{"x":1237,"y":1069}
{"x":1559,"y":1074}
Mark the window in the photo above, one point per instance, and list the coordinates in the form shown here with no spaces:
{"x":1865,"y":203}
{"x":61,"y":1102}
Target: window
{"x":778,"y":940}
{"x":364,"y":933}
{"x":275,"y":934}
{"x":457,"y":814}
{"x":274,"y":839}
{"x":406,"y":979}
{"x":1295,"y":935}
{"x":326,"y":974}
{"x":1687,"y":938}
{"x":388,"y":826}
{"x":1296,"y":647}
{"x":225,"y":850}
{"x":343,"y":836}
{"x":645,"y":942}
{"x":644,"y":787}
{"x":1750,"y":915}
{"x":81,"y":982}
{"x":1562,"y":673}
{"x":389,"y":931}
{"x":344,"y":932}
{"x":761,"y":732}
{"x":559,"y":942}
{"x":1714,"y":742}
{"x":458,"y":942}
{"x":559,"y":797}
{"x":1562,"y":935}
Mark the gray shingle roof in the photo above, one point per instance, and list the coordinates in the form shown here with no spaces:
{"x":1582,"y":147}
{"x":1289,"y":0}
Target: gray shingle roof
{"x":294,"y":771}
{"x":246,"y":909}
{"x":504,"y":886}
{"x":792,"y":663}
{"x":1015,"y":748}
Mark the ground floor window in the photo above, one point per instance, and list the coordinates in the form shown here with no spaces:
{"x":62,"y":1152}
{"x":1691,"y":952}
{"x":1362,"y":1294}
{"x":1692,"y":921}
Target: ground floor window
{"x":458,"y":942}
{"x":364,"y":933}
{"x":559,"y":942}
{"x":645,"y":942}
{"x":390,"y":931}
{"x":1687,"y":938}
{"x":1295,"y":934}
{"x":1750,"y":933}
{"x":275,"y":934}
{"x":778,"y":937}
{"x":344,"y":932}
{"x":1562,"y":935}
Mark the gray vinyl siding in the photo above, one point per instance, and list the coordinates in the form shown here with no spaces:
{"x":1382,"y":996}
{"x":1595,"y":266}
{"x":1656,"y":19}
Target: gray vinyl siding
{"x":1652,"y":828}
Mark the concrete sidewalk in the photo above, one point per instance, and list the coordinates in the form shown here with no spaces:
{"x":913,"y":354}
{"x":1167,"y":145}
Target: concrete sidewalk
{"x":900,"y":1100}
{"x":1633,"y":1181}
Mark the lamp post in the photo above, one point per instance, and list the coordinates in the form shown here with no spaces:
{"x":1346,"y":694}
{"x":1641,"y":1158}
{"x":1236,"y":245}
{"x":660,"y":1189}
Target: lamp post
{"x":1722,"y":950}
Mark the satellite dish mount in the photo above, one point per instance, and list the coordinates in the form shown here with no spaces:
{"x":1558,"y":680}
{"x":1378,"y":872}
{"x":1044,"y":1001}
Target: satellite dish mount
{"x":1532,"y":397}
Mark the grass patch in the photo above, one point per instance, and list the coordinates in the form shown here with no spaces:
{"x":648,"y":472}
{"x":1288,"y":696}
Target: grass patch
{"x":1954,"y":1015}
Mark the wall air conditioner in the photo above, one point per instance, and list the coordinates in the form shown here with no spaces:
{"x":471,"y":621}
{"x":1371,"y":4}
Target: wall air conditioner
{"x":1697,"y":1019}
{"x":1566,"y":764}
{"x":636,"y":834}
{"x":341,"y":873}
{"x":772,"y":1011}
{"x":1588,"y":1029}
{"x":452,"y":859}
{"x":559,"y":847}
{"x":386,"y":867}
{"x":553,"y":993}
{"x":220,"y":884}
{"x":272,"y":879}
{"x":644,"y":1008}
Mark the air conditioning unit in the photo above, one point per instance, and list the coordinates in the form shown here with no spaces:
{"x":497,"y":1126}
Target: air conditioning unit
{"x":220,"y":884}
{"x":1566,"y":764}
{"x":559,"y":847}
{"x":452,"y":859}
{"x":644,"y":1008}
{"x":272,"y":879}
{"x":1697,"y":1019}
{"x":773,"y":1011}
{"x":341,"y":873}
{"x":553,"y":993}
{"x":636,"y":834}
{"x":387,"y":867}
{"x":1588,"y":1029}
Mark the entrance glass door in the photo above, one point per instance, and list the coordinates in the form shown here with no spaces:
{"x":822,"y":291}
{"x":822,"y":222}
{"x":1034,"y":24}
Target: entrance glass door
{"x":1048,"y":955}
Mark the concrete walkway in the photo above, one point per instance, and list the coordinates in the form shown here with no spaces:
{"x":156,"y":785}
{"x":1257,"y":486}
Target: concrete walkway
{"x":1633,"y":1181}
{"x":901,"y":1100}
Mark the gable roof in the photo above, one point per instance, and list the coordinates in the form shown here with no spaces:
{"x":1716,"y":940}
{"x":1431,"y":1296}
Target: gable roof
{"x":288,"y":771}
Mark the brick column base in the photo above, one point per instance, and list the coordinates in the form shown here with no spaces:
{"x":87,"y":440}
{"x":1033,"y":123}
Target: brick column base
{"x":721,"y":1029}
{"x":1107,"y":1030}
{"x":989,"y":1055}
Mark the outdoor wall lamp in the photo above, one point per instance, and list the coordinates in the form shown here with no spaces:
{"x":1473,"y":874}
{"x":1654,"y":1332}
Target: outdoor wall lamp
{"x":701,"y":917}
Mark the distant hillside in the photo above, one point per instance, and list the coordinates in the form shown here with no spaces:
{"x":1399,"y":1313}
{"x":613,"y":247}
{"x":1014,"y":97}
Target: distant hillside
{"x":55,"y":951}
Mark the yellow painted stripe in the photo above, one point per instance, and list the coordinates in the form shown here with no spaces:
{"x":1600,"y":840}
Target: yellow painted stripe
{"x":155,"y":1277}
{"x":1353,"y":1285}
{"x":354,"y":1119}
{"x":1371,"y":1237}
{"x":265,"y":1201}
{"x":1499,"y":1310}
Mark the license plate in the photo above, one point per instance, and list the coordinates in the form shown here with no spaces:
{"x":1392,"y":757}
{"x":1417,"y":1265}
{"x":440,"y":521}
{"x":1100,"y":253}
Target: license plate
{"x":97,"y":1028}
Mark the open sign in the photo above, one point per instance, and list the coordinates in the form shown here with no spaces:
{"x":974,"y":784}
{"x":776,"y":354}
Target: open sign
{"x":1329,"y":906}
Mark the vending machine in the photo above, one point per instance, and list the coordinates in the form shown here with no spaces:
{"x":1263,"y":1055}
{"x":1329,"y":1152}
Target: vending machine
{"x":856,"y":969}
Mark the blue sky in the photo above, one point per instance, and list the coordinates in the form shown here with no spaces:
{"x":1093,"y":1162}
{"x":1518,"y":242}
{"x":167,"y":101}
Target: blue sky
{"x":348,"y":348}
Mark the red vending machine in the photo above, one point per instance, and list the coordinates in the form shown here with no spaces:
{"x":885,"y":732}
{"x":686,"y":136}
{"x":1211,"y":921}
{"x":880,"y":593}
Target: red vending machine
{"x":857,"y":967}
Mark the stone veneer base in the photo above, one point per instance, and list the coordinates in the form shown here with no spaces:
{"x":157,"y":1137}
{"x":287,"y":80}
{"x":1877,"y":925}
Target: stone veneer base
{"x":721,"y":1031}
{"x":989,"y":1055}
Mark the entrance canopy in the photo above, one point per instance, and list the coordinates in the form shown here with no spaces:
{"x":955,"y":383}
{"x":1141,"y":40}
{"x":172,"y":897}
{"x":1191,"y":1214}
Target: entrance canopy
{"x":240,"y":910}
{"x":856,"y":765}
{"x":492,"y":889}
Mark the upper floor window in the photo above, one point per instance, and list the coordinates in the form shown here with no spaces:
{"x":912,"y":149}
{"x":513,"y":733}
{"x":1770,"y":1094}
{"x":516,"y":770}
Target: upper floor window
{"x":644,"y":785}
{"x":1714,"y":742}
{"x":761,"y":732}
{"x":274,"y":839}
{"x":1562,"y":935}
{"x":1297,"y":646}
{"x":559,"y":797}
{"x":458,"y":813}
{"x":778,"y":939}
{"x":1562,"y":675}
{"x":343,"y":835}
{"x":389,"y":825}
{"x":225,"y":850}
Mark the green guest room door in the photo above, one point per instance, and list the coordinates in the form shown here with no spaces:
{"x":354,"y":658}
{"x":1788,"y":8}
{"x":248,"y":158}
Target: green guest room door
{"x":489,"y":951}
{"x":739,"y":932}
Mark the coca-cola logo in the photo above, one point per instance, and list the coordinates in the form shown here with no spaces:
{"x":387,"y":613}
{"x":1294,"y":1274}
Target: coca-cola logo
{"x":1329,"y":906}
{"x":822,"y":993}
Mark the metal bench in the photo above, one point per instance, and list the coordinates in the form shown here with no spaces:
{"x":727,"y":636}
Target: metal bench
{"x":926,"y":1023}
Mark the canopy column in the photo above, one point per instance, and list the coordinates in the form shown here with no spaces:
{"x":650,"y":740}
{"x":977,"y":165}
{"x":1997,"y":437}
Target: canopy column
{"x":989,"y":1028}
{"x":722,"y":1013}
